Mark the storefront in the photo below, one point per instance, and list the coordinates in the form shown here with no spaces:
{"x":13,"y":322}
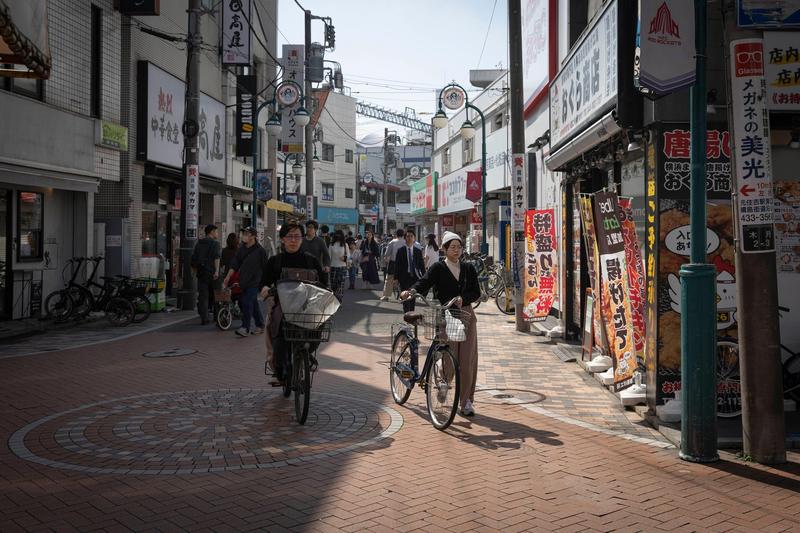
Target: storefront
{"x":338,"y":218}
{"x":424,"y":200}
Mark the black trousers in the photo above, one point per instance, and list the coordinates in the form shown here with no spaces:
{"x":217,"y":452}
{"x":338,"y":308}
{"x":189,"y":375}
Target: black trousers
{"x":205,"y":295}
{"x":406,"y":283}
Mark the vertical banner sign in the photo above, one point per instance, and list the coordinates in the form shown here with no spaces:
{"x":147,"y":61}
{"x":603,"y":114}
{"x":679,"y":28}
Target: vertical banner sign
{"x":753,"y":170}
{"x":245,"y":114}
{"x":310,"y":206}
{"x":293,"y":70}
{"x":636,"y":279}
{"x":264,"y":185}
{"x":666,"y":45}
{"x":474,"y":186}
{"x":615,"y":297}
{"x":519,"y":205}
{"x":236,"y":17}
{"x":541,"y":264}
{"x":782,"y":70}
{"x":192,"y":200}
{"x":593,"y":267}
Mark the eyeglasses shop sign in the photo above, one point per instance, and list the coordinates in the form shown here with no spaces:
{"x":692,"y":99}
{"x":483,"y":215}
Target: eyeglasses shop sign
{"x":588,"y":82}
{"x":160,"y":133}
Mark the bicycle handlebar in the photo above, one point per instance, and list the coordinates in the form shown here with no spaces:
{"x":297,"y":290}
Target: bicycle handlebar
{"x":414,"y":294}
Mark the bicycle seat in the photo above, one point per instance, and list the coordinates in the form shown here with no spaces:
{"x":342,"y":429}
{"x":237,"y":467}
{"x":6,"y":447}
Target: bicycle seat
{"x":413,"y":317}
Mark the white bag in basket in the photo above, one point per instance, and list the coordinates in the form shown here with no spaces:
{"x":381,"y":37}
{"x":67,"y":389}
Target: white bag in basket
{"x":454,"y":328}
{"x":303,"y":301}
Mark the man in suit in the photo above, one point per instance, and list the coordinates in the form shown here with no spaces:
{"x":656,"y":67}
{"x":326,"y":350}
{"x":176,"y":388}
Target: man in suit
{"x":409,"y":266}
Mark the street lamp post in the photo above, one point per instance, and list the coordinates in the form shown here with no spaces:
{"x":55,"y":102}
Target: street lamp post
{"x":467,"y":132}
{"x":296,"y":169}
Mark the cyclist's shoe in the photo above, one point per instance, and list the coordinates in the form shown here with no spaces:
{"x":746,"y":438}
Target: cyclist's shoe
{"x":242,"y":332}
{"x":468,"y":410}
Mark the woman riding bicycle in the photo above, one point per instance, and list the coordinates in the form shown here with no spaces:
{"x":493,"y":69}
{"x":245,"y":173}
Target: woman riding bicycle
{"x":290,"y":262}
{"x":449,"y":279}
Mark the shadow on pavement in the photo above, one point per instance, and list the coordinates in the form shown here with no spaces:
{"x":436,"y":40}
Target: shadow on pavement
{"x":769,"y":477}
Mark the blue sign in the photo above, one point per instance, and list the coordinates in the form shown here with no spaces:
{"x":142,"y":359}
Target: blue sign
{"x":264,"y":185}
{"x":772,"y":14}
{"x":337,"y":215}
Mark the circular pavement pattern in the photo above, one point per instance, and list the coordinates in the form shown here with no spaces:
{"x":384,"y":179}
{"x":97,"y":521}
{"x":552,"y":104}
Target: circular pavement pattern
{"x":194,"y":432}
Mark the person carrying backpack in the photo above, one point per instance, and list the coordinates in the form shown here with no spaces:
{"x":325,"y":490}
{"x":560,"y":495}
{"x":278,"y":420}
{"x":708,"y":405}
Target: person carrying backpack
{"x":205,"y":263}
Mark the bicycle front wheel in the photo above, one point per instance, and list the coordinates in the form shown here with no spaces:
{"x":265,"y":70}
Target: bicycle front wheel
{"x":119,"y":311}
{"x":400,"y":369}
{"x":58,"y":305}
{"x":302,"y":384}
{"x":443,"y":388}
{"x":141,"y":309}
{"x":505,"y":299}
{"x":224,"y":317}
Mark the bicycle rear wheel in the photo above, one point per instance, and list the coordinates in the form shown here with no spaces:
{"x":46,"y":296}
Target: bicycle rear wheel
{"x":791,"y":377}
{"x":301,"y":384}
{"x":82,"y":301}
{"x":119,"y":311}
{"x":224,"y":317}
{"x":58,"y":305}
{"x":442,"y":388}
{"x":399,"y":365}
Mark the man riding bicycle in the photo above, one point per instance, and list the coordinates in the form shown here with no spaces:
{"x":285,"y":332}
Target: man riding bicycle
{"x":291,"y":263}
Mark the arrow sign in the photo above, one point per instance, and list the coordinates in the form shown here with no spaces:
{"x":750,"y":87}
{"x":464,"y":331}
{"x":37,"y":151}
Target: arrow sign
{"x":746,"y":190}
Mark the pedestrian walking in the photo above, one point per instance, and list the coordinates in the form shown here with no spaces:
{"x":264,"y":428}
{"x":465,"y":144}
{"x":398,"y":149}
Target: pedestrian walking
{"x":250,"y":262}
{"x":389,"y":257}
{"x":324,"y":233}
{"x":229,"y":252}
{"x":455,"y":278}
{"x":205,"y":262}
{"x":409,"y":266}
{"x":354,"y":257}
{"x":431,"y":251}
{"x":369,"y":260}
{"x":315,"y":245}
{"x":339,"y":260}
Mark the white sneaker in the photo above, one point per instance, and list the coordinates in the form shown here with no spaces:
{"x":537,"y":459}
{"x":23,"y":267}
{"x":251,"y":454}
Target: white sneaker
{"x":242,"y":332}
{"x":383,"y":299}
{"x":468,"y":410}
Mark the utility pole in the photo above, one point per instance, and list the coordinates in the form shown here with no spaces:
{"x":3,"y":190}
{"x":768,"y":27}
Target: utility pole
{"x":763,"y":422}
{"x":518,"y":151}
{"x":698,"y":285}
{"x":309,"y":131}
{"x":384,"y":217}
{"x":191,"y":191}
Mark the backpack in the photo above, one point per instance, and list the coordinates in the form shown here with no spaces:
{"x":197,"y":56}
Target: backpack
{"x":201,"y":264}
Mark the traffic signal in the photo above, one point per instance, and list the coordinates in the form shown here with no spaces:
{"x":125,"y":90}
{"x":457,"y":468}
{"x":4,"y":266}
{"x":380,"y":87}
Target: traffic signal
{"x":330,"y":35}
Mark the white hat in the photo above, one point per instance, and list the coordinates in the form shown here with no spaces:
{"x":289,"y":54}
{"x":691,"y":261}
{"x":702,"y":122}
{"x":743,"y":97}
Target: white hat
{"x":450,"y":236}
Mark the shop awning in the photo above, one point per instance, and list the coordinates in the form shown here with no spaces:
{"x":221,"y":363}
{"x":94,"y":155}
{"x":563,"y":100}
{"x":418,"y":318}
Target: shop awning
{"x":598,"y":132}
{"x":16,"y":172}
{"x":24,"y":39}
{"x":284,"y":207}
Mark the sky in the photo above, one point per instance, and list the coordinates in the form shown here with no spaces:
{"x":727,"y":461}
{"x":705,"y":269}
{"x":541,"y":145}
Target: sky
{"x":399,"y":53}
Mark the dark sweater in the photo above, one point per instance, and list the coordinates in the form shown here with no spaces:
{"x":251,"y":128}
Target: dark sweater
{"x":276,"y":264}
{"x":317,"y":248}
{"x":447,"y":288}
{"x":250,"y":264}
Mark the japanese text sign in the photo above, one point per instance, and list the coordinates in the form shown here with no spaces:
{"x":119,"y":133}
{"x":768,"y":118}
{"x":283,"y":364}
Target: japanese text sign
{"x":636,"y":278}
{"x":676,"y":169}
{"x":236,"y":17}
{"x":782,"y":70}
{"x":294,"y":56}
{"x":751,"y":140}
{"x":245,"y":114}
{"x":519,"y":208}
{"x":541,"y":264}
{"x":192,"y":200}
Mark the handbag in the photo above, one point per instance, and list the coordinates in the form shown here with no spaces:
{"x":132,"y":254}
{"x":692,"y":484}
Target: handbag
{"x":454,"y":328}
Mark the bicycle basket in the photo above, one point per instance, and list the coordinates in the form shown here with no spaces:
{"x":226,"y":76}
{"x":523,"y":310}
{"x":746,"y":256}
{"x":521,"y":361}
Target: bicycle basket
{"x":222,"y":295}
{"x":307,"y":327}
{"x":135,"y":287}
{"x":445,"y":325}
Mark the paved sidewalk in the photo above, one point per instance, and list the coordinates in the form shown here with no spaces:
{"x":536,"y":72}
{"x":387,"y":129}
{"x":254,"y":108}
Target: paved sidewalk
{"x":101,"y":438}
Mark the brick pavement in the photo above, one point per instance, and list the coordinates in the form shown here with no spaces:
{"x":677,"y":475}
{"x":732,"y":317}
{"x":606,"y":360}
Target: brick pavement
{"x":354,"y":467}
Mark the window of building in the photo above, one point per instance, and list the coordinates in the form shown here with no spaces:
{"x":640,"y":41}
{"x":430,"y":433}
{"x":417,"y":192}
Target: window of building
{"x":96,"y":65}
{"x":446,"y":161}
{"x":403,"y":197}
{"x":24,"y":86}
{"x":30,"y":226}
{"x":497,"y":122}
{"x":348,"y":156}
{"x":391,"y":198}
{"x":348,"y":193}
{"x":469,"y":152}
{"x":247,"y":178}
{"x":327,"y":192}
{"x":327,"y":152}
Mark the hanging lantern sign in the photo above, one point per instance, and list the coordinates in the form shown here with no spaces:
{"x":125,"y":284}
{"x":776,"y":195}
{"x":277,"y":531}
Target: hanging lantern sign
{"x":453,"y":97}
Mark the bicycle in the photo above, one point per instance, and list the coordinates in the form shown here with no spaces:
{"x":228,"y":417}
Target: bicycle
{"x":227,"y":306}
{"x":59,"y":305}
{"x":135,"y":290}
{"x":791,"y":370}
{"x":302,"y":332}
{"x":440,"y":377}
{"x":504,"y":298}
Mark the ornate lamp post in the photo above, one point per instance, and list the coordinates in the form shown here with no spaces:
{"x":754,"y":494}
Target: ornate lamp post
{"x":454,"y":96}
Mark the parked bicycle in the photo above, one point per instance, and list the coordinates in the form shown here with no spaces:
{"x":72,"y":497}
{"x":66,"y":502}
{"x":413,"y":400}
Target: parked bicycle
{"x":488,"y":278}
{"x":504,"y":297}
{"x":226,"y":302}
{"x":439,"y":377}
{"x":136,"y":290}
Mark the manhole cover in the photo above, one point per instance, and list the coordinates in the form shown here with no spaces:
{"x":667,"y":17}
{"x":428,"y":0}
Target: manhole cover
{"x":172,"y":352}
{"x":502,"y":396}
{"x":202,"y":431}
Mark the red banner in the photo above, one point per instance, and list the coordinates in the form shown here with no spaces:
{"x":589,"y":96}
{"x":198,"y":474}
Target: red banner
{"x":541,"y":264}
{"x":636,"y":279}
{"x":474,"y":186}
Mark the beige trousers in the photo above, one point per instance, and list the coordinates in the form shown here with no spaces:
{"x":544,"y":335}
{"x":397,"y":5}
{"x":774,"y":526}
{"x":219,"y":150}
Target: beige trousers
{"x":388,"y":286}
{"x":466,"y":353}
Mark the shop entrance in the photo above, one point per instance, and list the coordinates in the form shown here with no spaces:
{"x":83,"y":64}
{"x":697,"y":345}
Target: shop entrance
{"x":5,"y":255}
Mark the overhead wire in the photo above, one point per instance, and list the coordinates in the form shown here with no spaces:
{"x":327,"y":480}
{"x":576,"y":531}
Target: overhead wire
{"x":485,"y":39}
{"x":339,"y":125}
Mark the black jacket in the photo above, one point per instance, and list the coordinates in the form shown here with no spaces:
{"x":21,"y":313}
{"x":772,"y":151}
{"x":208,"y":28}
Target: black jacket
{"x":401,"y":270}
{"x":447,"y":287}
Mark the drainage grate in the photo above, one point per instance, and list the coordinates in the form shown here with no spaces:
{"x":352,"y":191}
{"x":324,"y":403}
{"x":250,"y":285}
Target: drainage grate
{"x":172,"y":352}
{"x":502,"y":396}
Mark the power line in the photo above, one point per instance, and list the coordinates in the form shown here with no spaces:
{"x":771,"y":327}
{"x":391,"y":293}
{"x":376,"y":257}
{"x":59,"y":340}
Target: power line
{"x":487,"y":35}
{"x":276,"y":26}
{"x":339,"y":125}
{"x":299,"y":5}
